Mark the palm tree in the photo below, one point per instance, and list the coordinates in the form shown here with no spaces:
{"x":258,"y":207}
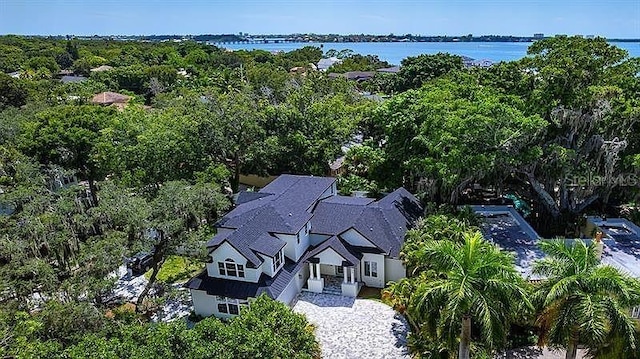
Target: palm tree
{"x":475,"y":283}
{"x":582,"y":300}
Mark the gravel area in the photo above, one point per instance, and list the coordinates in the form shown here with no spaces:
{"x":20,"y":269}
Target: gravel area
{"x":128,"y":288}
{"x":354,"y":328}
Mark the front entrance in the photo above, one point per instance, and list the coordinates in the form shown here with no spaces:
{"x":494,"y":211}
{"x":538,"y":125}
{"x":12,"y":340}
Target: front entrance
{"x":333,"y":279}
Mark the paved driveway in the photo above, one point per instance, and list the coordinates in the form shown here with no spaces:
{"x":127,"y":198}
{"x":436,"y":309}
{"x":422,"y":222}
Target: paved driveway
{"x":354,"y":328}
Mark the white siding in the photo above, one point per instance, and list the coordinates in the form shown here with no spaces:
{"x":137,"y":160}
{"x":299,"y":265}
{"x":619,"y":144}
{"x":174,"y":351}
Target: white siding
{"x":394,"y":270}
{"x":376,"y":282}
{"x":224,"y":251}
{"x":206,"y":305}
{"x":356,"y":239}
{"x":294,"y":250}
{"x":203,"y":304}
{"x":329,"y":256}
{"x":267,"y":266}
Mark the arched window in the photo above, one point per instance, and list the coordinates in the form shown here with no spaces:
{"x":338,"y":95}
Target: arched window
{"x":230,"y":268}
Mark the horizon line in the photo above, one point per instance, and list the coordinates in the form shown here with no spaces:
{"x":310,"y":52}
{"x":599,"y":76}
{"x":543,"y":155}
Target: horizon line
{"x":319,"y":34}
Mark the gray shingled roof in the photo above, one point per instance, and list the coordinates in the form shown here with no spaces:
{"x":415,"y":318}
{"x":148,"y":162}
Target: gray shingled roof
{"x":283,"y":206}
{"x":384,"y":223}
{"x":268,"y":245}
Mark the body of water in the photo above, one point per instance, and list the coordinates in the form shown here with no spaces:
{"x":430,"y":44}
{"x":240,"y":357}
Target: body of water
{"x":394,"y":52}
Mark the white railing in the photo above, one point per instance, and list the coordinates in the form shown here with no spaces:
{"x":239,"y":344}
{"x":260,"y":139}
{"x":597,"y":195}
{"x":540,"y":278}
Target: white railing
{"x":635,"y":313}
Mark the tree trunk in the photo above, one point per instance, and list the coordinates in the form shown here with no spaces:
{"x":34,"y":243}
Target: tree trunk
{"x":465,"y":338}
{"x":572,"y":346}
{"x":572,"y":350}
{"x":93,"y":191}
{"x":158,"y":260}
{"x":546,"y":199}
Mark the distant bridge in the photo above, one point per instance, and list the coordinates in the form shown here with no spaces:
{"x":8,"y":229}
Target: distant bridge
{"x":257,"y":40}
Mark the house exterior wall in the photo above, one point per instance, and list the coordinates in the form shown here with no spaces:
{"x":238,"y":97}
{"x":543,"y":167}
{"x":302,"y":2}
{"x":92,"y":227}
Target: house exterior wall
{"x":379,"y":280}
{"x":224,"y":251}
{"x":267,"y":266}
{"x":394,"y":270}
{"x":294,"y":250}
{"x":327,"y":269}
{"x":206,"y":305}
{"x":329,"y":256}
{"x":354,"y":238}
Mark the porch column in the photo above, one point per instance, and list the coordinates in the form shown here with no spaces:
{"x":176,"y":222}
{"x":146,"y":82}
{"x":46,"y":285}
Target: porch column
{"x":311,"y":270}
{"x":318,"y":270}
{"x":353,"y":274}
{"x":344,"y":271}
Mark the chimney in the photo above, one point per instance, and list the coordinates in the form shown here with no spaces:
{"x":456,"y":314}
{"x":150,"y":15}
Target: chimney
{"x":599,"y":244}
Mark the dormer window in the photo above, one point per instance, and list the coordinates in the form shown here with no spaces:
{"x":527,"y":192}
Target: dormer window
{"x":278,"y":261}
{"x":230,"y":268}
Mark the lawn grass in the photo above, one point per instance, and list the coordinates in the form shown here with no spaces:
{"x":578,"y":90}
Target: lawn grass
{"x":177,"y":269}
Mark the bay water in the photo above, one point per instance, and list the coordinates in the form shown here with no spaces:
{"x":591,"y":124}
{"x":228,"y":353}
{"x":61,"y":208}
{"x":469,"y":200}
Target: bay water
{"x":394,"y":52}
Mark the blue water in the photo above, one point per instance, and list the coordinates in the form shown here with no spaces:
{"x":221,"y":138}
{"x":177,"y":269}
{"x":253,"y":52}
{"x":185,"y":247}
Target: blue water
{"x":394,"y":52}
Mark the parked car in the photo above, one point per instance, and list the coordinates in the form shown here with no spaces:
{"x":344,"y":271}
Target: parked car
{"x":140,"y":263}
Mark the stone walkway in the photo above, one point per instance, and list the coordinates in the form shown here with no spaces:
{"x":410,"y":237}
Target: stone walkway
{"x":354,"y":328}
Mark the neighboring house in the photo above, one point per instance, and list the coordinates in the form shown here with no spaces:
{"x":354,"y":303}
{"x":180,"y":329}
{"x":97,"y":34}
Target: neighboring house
{"x":72,"y":79}
{"x":324,"y":64}
{"x":336,"y":167}
{"x":358,"y":76}
{"x":469,"y":62}
{"x":102,"y":68}
{"x":390,"y":70}
{"x":15,"y":74}
{"x":504,"y":226}
{"x":297,"y":234}
{"x":110,"y":98}
{"x":620,"y":240}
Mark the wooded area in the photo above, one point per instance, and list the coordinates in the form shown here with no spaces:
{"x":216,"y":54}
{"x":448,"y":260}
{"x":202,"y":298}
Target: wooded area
{"x":83,"y":185}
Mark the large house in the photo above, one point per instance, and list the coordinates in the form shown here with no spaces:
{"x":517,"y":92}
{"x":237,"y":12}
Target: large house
{"x":298,"y":234}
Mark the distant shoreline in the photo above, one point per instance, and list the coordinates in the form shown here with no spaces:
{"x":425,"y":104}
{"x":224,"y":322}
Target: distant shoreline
{"x":312,"y":38}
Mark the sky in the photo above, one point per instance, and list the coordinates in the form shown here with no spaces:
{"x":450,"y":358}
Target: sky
{"x":609,"y":18}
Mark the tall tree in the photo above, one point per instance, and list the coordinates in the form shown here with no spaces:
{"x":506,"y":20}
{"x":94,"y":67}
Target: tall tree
{"x":468,"y":284}
{"x":451,"y":133}
{"x":582,"y":88}
{"x":582,"y":301}
{"x":67,"y":136}
{"x":178,"y":210}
